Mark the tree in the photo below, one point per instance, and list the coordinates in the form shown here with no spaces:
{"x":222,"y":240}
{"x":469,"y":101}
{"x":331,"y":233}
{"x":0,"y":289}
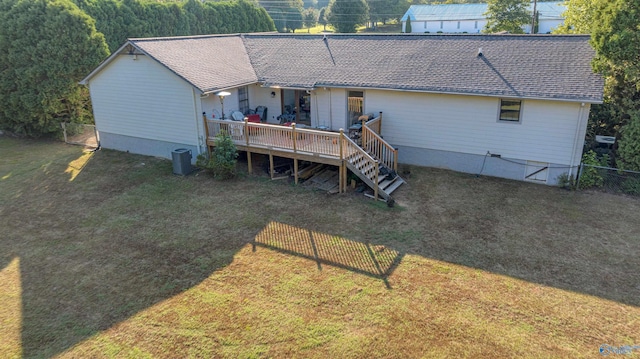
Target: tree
{"x":407,"y":27}
{"x":294,"y":19}
{"x":310,"y":18}
{"x":322,"y":18}
{"x":579,"y":16}
{"x":346,"y":15}
{"x":46,"y":47}
{"x":615,"y":35}
{"x":629,"y":145}
{"x":286,"y":14}
{"x":383,"y":10}
{"x":507,"y":15}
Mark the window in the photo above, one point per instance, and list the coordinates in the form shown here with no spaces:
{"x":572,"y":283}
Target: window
{"x":476,"y":25}
{"x":441,"y":24}
{"x":243,"y":99}
{"x":458,"y":24}
{"x":510,"y":110}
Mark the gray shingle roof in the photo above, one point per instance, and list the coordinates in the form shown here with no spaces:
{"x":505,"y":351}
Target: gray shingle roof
{"x":527,"y":66}
{"x":208,"y":62}
{"x":523,"y":66}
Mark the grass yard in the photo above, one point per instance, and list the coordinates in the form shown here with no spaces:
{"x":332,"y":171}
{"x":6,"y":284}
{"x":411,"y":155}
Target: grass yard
{"x":110,"y":255}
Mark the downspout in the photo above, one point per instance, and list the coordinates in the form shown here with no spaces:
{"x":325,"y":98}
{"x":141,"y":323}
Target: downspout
{"x":197,"y":120}
{"x":577,"y":140}
{"x":315,"y":102}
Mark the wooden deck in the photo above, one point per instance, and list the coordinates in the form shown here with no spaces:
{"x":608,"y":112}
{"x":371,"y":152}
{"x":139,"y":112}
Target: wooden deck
{"x":282,"y":141}
{"x":332,"y":148}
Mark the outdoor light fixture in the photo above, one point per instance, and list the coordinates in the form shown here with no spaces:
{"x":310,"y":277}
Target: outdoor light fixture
{"x":273,"y":94}
{"x":222,"y":95}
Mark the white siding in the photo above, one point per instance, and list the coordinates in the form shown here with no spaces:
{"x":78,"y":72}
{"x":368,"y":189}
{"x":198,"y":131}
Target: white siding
{"x":261,"y":96}
{"x":469,"y":26}
{"x":468,"y":124}
{"x":143,"y":99}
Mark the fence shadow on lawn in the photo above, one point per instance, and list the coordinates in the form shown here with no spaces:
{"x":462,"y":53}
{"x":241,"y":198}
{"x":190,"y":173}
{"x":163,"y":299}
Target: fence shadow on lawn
{"x":375,"y":261}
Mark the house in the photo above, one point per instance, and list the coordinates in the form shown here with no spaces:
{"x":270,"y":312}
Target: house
{"x":471,"y":18}
{"x":512,"y":106}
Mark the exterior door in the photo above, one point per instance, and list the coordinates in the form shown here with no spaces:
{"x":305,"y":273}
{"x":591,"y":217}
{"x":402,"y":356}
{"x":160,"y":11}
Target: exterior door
{"x":355,"y":106}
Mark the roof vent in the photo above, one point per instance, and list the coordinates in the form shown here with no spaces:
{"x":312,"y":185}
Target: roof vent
{"x":324,"y":37}
{"x":480,"y":52}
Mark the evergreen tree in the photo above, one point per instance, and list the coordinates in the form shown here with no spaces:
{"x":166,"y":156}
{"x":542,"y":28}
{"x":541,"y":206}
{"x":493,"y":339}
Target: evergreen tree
{"x":615,"y":35}
{"x":310,"y":18}
{"x":507,"y":15}
{"x":46,"y":47}
{"x":407,"y":27}
{"x":346,"y":15}
{"x":322,"y":18}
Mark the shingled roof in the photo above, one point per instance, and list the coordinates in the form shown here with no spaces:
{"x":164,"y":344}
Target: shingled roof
{"x":522,"y":66}
{"x":207,"y":62}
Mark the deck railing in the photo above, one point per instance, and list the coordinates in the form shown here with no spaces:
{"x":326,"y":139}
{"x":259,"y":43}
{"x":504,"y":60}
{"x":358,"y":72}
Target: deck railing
{"x":360,"y":161}
{"x":376,"y":146}
{"x":284,"y":138}
{"x":308,"y":142}
{"x":375,"y":124}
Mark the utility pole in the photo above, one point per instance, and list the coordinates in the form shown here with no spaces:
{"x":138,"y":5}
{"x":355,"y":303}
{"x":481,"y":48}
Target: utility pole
{"x":533,"y":19}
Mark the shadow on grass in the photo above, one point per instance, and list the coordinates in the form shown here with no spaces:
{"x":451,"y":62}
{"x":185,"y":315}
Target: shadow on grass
{"x":374,"y":261}
{"x":125,"y":235}
{"x":97,"y":245}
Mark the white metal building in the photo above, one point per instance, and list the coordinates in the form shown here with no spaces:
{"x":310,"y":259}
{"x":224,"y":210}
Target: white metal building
{"x":471,"y":18}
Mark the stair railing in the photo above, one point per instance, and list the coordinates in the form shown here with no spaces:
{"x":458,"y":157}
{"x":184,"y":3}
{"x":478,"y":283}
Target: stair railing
{"x":361,"y":163}
{"x":376,"y":145}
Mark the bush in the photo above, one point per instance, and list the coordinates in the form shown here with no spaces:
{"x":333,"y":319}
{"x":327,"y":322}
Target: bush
{"x":590,"y":176}
{"x":631,"y":186}
{"x":566,"y":182}
{"x":222,"y":163}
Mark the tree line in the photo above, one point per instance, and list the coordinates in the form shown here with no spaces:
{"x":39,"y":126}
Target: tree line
{"x":47,"y":46}
{"x":614,"y":26}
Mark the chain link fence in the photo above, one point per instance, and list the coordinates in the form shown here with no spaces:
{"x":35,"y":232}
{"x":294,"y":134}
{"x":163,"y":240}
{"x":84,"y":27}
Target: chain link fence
{"x":80,"y":134}
{"x":607,"y":179}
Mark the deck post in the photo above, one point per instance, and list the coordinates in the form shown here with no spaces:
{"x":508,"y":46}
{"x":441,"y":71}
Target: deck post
{"x":375,"y":186}
{"x":342,"y":173}
{"x":246,"y":135}
{"x":271,"y":164}
{"x":295,"y":153}
{"x":206,"y":133}
{"x":395,"y":160}
{"x":380,"y":125}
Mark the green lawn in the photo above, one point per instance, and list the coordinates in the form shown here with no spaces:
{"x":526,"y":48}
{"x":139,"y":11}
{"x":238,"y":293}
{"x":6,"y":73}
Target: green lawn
{"x":110,"y":255}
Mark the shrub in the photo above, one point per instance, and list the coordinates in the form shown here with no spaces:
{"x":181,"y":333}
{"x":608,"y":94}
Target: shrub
{"x":631,"y":186}
{"x":565,"y":181}
{"x":590,"y":176}
{"x":222,"y":163}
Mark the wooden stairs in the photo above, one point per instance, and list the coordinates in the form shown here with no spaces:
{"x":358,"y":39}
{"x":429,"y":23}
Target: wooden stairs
{"x":376,"y":175}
